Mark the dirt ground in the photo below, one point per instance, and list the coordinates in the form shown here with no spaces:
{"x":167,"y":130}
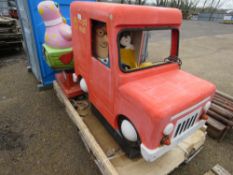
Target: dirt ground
{"x":37,"y":137}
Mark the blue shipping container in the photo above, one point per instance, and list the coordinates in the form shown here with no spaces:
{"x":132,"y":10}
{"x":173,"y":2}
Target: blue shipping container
{"x":43,"y":72}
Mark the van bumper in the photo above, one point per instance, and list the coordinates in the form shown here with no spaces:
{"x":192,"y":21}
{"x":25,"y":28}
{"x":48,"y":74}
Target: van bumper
{"x":153,"y":154}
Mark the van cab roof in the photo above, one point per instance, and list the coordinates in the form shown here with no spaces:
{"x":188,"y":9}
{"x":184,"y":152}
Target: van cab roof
{"x":129,"y":15}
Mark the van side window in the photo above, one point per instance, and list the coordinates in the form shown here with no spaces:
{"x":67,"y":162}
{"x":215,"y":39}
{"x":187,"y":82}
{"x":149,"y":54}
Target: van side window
{"x":100,"y":42}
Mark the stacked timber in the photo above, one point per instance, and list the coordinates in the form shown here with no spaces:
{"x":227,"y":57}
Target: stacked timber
{"x":10,"y":35}
{"x":220,"y":115}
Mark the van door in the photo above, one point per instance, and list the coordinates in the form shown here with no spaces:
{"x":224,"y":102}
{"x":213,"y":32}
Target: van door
{"x":101,"y":73}
{"x":102,"y":86}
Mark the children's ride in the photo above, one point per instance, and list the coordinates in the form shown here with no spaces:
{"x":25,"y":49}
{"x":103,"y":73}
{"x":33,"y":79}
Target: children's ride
{"x":149,"y":102}
{"x":58,"y":36}
{"x":58,"y":46}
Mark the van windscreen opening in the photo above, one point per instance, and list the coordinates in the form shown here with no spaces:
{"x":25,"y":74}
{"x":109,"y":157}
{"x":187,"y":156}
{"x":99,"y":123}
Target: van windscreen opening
{"x":145,"y":48}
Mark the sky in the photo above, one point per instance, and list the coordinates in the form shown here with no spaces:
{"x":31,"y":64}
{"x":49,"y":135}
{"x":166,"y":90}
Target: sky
{"x":227,"y":4}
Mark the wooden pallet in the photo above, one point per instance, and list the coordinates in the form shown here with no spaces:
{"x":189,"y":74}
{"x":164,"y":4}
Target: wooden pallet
{"x":109,"y":157}
{"x":220,"y":116}
{"x":217,"y":170}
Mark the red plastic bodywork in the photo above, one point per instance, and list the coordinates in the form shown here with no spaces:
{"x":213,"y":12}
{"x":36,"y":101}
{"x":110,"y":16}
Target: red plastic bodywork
{"x":68,"y":86}
{"x":148,"y":98}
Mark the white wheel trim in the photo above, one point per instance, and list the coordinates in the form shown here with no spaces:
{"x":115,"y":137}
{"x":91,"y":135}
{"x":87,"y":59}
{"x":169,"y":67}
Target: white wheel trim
{"x":128,"y":131}
{"x":83,"y":85}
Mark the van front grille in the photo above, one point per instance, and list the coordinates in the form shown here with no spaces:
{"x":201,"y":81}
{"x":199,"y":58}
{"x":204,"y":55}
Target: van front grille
{"x":185,"y":123}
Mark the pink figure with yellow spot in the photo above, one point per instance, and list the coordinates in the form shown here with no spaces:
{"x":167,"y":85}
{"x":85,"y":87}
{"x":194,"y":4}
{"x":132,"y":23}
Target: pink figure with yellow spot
{"x":58,"y":34}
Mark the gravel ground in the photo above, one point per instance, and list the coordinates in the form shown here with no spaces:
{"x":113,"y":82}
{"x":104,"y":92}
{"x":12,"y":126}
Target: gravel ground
{"x":37,"y":137}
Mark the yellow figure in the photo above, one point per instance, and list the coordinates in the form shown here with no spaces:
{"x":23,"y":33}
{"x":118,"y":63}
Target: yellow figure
{"x":128,"y":58}
{"x":128,"y":55}
{"x":127,"y":52}
{"x":146,"y":64}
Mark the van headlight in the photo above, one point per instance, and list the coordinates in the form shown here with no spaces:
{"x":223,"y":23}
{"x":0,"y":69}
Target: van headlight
{"x":207,"y":106}
{"x":168,"y":129}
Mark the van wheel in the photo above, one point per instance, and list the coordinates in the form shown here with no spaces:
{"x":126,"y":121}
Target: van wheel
{"x":83,"y":85}
{"x":129,"y":139}
{"x":128,"y":131}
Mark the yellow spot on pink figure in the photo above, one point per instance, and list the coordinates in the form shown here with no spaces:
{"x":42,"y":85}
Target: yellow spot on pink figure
{"x":41,"y":11}
{"x":54,"y":36}
{"x":46,"y":37}
{"x":64,"y":20}
{"x":52,"y":7}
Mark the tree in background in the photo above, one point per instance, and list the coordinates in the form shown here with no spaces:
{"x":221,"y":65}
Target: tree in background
{"x":188,"y":7}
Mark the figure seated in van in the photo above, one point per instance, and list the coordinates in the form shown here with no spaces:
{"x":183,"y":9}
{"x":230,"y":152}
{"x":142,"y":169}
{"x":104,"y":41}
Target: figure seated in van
{"x":133,"y":50}
{"x":100,"y":44}
{"x":127,"y":52}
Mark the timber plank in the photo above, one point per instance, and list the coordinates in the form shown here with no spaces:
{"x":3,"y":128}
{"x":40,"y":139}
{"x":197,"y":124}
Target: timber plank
{"x":103,"y":162}
{"x":217,"y":170}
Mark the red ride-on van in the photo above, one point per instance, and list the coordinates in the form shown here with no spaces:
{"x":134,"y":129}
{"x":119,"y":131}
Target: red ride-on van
{"x":126,"y":59}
